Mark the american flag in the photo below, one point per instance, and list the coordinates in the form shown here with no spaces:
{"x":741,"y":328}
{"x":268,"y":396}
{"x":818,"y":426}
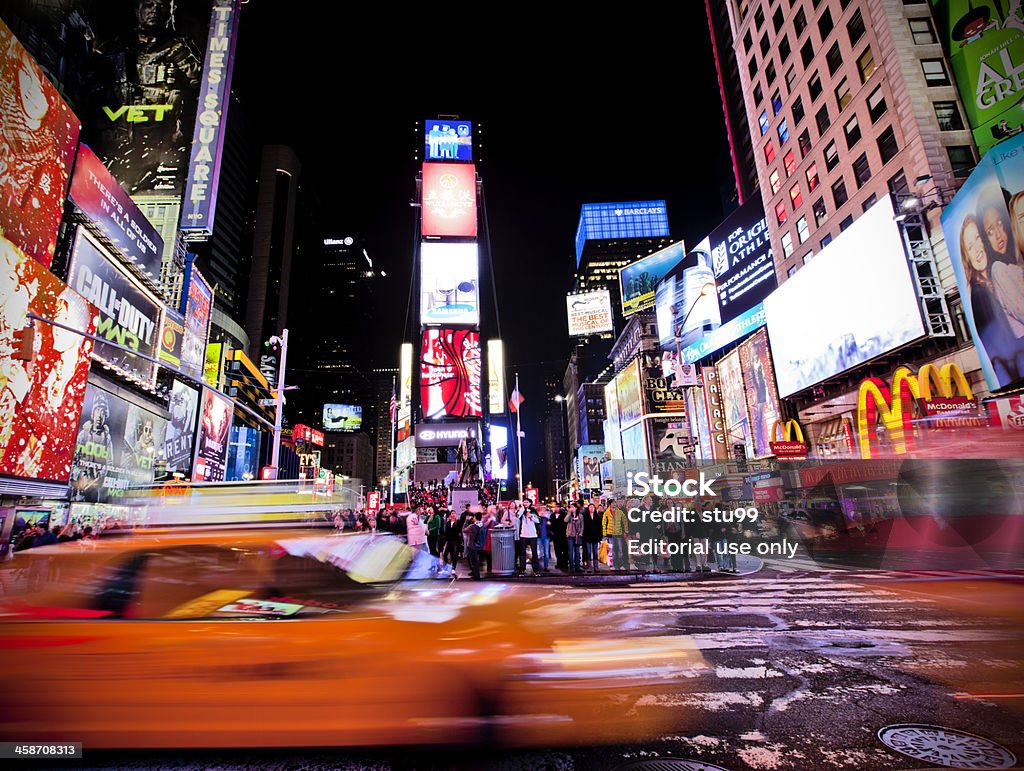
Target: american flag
{"x":394,"y":406}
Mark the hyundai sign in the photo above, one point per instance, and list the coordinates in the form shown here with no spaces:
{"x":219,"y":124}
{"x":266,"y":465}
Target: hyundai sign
{"x":632,"y":219}
{"x":445,"y":434}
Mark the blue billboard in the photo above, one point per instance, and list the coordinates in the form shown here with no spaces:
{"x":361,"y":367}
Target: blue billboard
{"x":447,"y":140}
{"x":638,"y":281}
{"x":630,"y":219}
{"x":729,"y":332}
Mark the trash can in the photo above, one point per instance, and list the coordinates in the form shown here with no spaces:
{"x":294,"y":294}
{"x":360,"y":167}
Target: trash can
{"x":503,"y":550}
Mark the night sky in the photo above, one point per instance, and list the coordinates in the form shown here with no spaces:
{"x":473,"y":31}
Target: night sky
{"x":611,"y":108}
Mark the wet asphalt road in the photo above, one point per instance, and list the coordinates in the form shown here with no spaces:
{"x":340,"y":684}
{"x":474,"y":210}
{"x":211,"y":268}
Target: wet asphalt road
{"x":805,"y":667}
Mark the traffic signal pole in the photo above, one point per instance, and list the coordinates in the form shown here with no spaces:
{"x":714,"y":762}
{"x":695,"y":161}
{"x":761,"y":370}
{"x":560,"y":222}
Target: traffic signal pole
{"x":279,"y":402}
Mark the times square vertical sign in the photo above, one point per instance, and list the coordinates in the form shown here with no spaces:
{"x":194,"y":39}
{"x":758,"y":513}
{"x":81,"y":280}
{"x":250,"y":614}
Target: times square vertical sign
{"x":199,"y":206}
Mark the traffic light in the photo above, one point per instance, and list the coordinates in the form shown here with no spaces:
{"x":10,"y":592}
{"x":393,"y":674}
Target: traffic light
{"x":273,"y":345}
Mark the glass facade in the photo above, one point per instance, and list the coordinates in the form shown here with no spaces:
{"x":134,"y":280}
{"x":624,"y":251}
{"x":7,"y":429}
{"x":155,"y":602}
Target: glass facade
{"x":632,"y":219}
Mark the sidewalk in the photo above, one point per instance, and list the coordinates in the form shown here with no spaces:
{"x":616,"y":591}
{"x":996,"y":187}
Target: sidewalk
{"x":614,"y":577}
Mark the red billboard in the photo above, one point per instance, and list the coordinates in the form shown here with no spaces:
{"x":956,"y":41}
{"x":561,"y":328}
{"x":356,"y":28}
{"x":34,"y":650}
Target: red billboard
{"x":450,"y":373}
{"x":37,"y":145}
{"x":40,"y":399}
{"x":449,"y":199}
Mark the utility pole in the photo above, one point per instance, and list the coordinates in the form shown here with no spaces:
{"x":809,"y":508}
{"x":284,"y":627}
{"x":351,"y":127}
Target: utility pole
{"x":279,"y":400}
{"x":519,"y":438}
{"x":393,"y":414}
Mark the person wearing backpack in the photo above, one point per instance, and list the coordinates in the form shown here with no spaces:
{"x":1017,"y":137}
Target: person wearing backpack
{"x":477,"y":538}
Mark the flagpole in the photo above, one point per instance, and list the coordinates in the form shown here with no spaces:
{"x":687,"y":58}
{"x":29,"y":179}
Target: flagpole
{"x":393,"y":415}
{"x":519,"y":437}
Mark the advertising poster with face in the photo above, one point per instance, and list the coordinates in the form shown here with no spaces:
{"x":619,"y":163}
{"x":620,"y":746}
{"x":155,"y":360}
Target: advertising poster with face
{"x":181,"y":429}
{"x":762,"y":397}
{"x":737,"y":420}
{"x":198,"y":309}
{"x":143,"y":444}
{"x":215,"y":415}
{"x":588,"y":466}
{"x":37,"y":146}
{"x":41,"y":399}
{"x":984,"y":229}
{"x":671,"y":438}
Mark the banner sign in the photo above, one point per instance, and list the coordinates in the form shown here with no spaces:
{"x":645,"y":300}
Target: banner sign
{"x":200,"y":204}
{"x":449,"y":200}
{"x":450,"y":373}
{"x":215,"y":416}
{"x":171,"y":335}
{"x":197,"y":305}
{"x":129,"y":316}
{"x":448,"y":140}
{"x":181,"y":429}
{"x":590,"y":313}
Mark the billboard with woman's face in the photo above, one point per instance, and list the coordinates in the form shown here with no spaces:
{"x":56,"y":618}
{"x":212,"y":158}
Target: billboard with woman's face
{"x":984,"y":229}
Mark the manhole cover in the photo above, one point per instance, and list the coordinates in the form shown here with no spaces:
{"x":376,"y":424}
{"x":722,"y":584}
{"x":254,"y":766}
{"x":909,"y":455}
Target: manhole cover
{"x":945,"y":746}
{"x":670,"y":764}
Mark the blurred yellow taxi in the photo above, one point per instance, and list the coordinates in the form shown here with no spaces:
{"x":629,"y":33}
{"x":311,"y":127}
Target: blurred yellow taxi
{"x":275,"y":638}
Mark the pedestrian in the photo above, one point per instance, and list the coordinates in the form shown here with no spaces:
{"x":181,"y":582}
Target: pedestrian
{"x":592,"y":537}
{"x":435,"y":522}
{"x":477,"y":536}
{"x":558,"y":537}
{"x":574,"y":538}
{"x":528,"y":523}
{"x":415,"y":531}
{"x":725,"y":556}
{"x":614,"y":527}
{"x":544,"y":535}
{"x":452,"y":540}
{"x":700,"y":543}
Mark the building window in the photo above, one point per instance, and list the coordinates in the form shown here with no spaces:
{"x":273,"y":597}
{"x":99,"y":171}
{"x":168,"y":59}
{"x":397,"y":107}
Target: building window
{"x":852,"y":131}
{"x":776,"y":103}
{"x":769,"y":152}
{"x":796,"y":197}
{"x":935,"y":72}
{"x":762,"y":121}
{"x":778,"y":19}
{"x":948,"y":115}
{"x":780,"y":212}
{"x":887,"y":146}
{"x":961,"y":158}
{"x":759,"y":17}
{"x":800,"y":22}
{"x":861,"y":170}
{"x":825,"y":25}
{"x":843,"y":94}
{"x":834,"y":59}
{"x":769,"y":73}
{"x":826,"y":241}
{"x":820,"y":213}
{"x":752,"y":67}
{"x":790,"y":78}
{"x":839,"y":194}
{"x":822,"y":119}
{"x":784,"y":48}
{"x":866,"y":65}
{"x":758,"y":94}
{"x":846,"y":223}
{"x":814,"y":86}
{"x":812,"y":177}
{"x":787,"y":244}
{"x":898,"y":184}
{"x":783,"y":132}
{"x":791,"y":271}
{"x":748,"y":41}
{"x":805,"y":142}
{"x":922,"y":31}
{"x":798,"y":111}
{"x":869,"y":202}
{"x":855,"y":27}
{"x":807,"y":52}
{"x":766,"y":44}
{"x":789,"y":161}
{"x":802,"y":231}
{"x":876,"y":105}
{"x":774,"y":181}
{"x":831,"y":156}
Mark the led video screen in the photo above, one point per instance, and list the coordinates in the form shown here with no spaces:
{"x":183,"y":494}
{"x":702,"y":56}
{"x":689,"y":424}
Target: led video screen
{"x":450,"y":373}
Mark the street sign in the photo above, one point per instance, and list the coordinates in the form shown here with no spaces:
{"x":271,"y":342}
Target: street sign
{"x":268,"y":402}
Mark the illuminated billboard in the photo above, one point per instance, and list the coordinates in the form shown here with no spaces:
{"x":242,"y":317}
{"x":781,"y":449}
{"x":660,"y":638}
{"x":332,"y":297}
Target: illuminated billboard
{"x":171,"y":334}
{"x":634,"y":443}
{"x":741,"y":258}
{"x":588,"y":466}
{"x":498,"y":440}
{"x":495,"y":377}
{"x":854,"y":301}
{"x":985,"y":238}
{"x":343,"y":417}
{"x":734,"y":399}
{"x":450,"y":373}
{"x":610,"y":221}
{"x":181,"y":429}
{"x":445,"y":434}
{"x":404,"y":389}
{"x":449,"y":200}
{"x":612,"y":439}
{"x":686,"y":301}
{"x":762,"y":398}
{"x":215,"y":413}
{"x":448,"y":140}
{"x":203,"y":171}
{"x":40,"y":400}
{"x":638,"y":281}
{"x":105,"y":203}
{"x":118,"y":446}
{"x":129,"y":315}
{"x":449,"y":281}
{"x":37,"y":147}
{"x":629,"y":395}
{"x":197,"y":302}
{"x":590,"y":313}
